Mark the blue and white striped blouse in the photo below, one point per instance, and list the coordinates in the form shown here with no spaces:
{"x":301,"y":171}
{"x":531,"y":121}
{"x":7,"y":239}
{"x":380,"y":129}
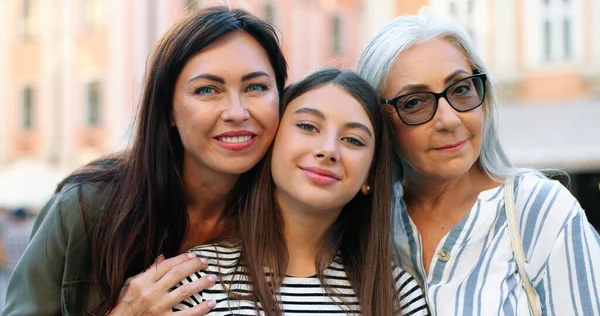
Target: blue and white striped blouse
{"x":474,"y":271}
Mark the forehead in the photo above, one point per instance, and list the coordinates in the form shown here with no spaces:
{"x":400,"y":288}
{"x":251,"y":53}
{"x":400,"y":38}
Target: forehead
{"x":234,"y":52}
{"x":428,"y":62}
{"x":333,"y":101}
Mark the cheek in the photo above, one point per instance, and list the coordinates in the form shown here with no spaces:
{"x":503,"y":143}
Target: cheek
{"x":281,"y":150}
{"x":408,"y":139}
{"x":476,"y":123}
{"x":359,"y":166}
{"x":266,"y":112}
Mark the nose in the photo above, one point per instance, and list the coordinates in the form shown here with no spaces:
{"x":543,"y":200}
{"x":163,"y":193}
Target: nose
{"x":236,"y":111}
{"x":328,"y":151}
{"x":446,"y":117}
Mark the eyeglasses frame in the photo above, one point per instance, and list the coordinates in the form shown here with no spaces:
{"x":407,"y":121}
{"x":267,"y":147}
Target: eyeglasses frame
{"x":444,"y":94}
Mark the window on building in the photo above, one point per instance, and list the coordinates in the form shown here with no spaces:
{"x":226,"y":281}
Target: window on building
{"x":28,"y":18}
{"x":567,"y":38}
{"x":452,"y":8}
{"x":93,"y":103}
{"x":463,"y":11}
{"x":547,"y":40}
{"x":337,"y":44}
{"x":557,"y":31}
{"x":268,"y":12}
{"x":94,"y":13}
{"x":470,"y":7}
{"x":27,"y":107}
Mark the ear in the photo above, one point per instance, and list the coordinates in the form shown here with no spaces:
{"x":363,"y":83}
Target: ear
{"x":366,"y":189}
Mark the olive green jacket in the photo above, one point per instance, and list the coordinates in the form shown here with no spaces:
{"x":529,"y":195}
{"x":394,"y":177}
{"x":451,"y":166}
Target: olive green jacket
{"x":54,"y":276}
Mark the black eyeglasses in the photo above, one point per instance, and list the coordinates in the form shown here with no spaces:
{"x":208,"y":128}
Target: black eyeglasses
{"x":419,"y":107}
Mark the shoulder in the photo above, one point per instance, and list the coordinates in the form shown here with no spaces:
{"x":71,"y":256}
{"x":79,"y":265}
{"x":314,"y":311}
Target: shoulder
{"x":75,"y":205}
{"x":545,"y":208}
{"x":536,"y":197}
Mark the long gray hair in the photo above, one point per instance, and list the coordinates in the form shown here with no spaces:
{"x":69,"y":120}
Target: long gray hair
{"x":398,"y":35}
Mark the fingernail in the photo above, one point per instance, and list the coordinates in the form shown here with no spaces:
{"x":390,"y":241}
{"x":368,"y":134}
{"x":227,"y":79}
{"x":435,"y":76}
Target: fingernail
{"x":212,"y":278}
{"x":204,"y":260}
{"x":191,"y":255}
{"x":211,"y":303}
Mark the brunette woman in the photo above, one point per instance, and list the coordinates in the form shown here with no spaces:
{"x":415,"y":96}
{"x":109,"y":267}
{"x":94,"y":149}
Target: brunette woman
{"x":208,"y":114}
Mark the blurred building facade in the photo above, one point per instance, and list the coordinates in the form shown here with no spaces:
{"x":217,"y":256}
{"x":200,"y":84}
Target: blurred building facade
{"x":71,"y":70}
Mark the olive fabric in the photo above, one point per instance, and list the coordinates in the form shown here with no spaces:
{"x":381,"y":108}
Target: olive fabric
{"x":54,"y":275}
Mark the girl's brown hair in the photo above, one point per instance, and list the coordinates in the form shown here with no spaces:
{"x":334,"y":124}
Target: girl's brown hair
{"x":360,"y":235}
{"x":146,"y":215}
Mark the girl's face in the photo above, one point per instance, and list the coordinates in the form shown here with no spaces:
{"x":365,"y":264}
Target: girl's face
{"x":323,"y":150}
{"x":225,"y":105}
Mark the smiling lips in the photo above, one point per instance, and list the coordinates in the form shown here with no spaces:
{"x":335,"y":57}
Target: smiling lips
{"x":235,"y":140}
{"x":453,"y":147}
{"x":320,"y":176}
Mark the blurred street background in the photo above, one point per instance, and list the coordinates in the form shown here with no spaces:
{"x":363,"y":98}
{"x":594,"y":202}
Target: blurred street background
{"x":71,"y":73}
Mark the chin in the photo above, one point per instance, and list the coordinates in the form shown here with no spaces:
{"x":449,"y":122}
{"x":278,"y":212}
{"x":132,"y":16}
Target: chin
{"x":321,"y":201}
{"x":236,"y":168}
{"x":452,"y":171}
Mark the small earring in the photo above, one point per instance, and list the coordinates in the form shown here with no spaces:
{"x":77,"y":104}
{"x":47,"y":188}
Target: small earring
{"x":368,"y":188}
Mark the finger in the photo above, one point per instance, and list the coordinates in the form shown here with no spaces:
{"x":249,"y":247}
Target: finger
{"x":187,"y":290}
{"x":179,"y":272}
{"x":198,"y":310}
{"x":161,"y":268}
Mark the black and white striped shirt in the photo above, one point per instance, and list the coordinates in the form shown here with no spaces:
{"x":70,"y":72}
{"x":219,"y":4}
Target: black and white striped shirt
{"x":297,"y":295}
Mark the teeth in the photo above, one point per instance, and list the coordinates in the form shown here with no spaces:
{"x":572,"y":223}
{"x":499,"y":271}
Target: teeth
{"x":238,"y":139}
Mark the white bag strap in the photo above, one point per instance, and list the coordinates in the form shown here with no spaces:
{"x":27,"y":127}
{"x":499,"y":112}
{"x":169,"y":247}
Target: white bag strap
{"x":517,"y":244}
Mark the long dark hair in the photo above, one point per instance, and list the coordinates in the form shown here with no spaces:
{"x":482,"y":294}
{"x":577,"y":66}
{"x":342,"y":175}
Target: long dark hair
{"x":361,"y":234}
{"x":146,"y":215}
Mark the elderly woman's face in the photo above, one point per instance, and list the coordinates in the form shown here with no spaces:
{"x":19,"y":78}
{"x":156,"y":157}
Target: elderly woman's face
{"x":449,"y":144}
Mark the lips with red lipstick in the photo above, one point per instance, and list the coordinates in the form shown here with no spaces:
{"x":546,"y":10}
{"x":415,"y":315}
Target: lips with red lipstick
{"x":235,"y":140}
{"x":320,"y":176}
{"x":451,"y":147}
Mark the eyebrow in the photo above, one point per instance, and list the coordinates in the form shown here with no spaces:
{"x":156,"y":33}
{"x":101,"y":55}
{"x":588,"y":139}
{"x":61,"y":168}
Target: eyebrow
{"x":320,"y":115}
{"x":447,"y":81}
{"x":359,"y":126}
{"x":255,"y":74}
{"x":209,"y":77}
{"x":220,"y":80}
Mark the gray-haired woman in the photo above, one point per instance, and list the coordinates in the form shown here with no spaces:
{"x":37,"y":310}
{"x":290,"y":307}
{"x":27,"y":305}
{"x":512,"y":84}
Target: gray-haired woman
{"x":450,"y":226}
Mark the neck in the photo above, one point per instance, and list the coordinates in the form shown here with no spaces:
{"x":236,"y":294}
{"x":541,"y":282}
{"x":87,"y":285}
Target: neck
{"x":304,"y":233}
{"x":206,"y":193}
{"x":439,"y":194}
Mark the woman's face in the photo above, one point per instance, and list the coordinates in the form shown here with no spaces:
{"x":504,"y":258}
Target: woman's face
{"x":449,"y":144}
{"x":225,"y":105}
{"x":323,"y":150}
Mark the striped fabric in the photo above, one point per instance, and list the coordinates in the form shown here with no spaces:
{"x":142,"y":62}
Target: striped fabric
{"x":297,"y":296}
{"x":474,"y":271}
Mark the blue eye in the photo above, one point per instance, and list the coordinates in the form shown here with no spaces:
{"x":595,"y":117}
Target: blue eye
{"x":306,"y":127}
{"x":257,"y":88}
{"x":205,"y":91}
